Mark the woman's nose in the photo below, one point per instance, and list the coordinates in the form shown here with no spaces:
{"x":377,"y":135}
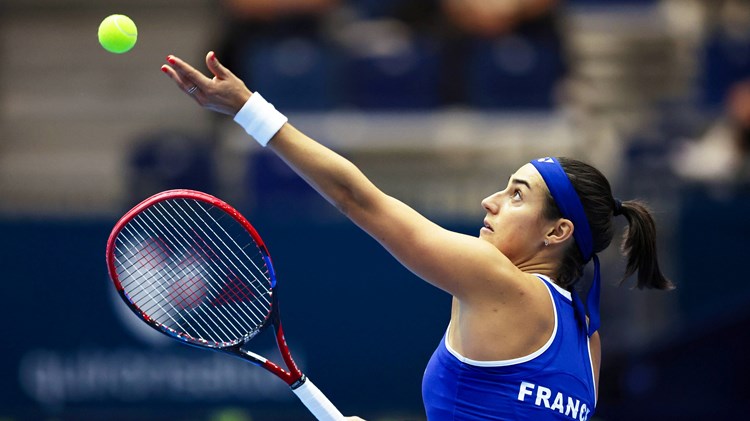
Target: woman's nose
{"x":489,"y":203}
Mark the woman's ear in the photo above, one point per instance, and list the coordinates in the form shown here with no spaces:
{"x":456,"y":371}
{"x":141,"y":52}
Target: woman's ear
{"x":559,"y":232}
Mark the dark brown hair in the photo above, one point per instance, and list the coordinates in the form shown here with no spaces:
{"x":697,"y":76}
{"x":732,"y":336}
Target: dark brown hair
{"x":638,"y":241}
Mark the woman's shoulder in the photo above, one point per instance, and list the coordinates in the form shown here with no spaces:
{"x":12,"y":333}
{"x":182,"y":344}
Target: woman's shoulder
{"x":500,"y":326}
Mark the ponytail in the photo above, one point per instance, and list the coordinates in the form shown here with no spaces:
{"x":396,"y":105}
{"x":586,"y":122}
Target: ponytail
{"x":639,"y":247}
{"x":639,"y":240}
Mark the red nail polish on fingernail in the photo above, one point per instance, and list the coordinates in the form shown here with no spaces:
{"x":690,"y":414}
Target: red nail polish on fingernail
{"x":164,"y":69}
{"x":170,"y":59}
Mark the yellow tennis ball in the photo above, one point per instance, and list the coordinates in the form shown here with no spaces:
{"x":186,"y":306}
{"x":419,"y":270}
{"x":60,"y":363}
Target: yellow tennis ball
{"x":117,"y":34}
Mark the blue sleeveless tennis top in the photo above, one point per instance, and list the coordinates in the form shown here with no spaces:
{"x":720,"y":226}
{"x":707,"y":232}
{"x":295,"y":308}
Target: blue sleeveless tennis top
{"x":554,"y":383}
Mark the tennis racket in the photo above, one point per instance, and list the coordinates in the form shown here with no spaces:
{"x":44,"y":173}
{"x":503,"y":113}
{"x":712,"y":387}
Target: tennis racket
{"x":193,"y":268}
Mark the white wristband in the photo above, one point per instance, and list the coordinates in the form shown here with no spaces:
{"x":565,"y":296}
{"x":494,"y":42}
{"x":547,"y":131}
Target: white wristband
{"x":260,"y":119}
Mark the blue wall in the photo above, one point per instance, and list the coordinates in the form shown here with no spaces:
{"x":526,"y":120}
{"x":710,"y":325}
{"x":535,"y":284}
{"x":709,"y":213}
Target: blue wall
{"x":361,"y":326}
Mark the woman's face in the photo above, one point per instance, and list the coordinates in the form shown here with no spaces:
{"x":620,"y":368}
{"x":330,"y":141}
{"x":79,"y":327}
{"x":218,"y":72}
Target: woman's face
{"x":514,"y":222}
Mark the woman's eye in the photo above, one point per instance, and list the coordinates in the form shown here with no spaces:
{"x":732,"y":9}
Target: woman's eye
{"x":516,"y":194}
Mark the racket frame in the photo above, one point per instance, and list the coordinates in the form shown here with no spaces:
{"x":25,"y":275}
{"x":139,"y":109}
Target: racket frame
{"x":293,"y":376}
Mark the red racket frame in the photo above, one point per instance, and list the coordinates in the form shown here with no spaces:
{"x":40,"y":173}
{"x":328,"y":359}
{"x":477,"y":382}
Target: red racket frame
{"x":293,"y":376}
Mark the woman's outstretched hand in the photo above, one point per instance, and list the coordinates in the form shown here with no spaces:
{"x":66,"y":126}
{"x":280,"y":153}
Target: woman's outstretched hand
{"x":224,"y":93}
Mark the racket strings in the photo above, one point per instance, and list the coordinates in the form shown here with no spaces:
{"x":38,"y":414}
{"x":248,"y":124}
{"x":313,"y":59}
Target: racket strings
{"x":235,"y":283}
{"x":259,"y":268}
{"x":160,"y":307}
{"x":174,"y":274}
{"x":223,"y":326}
{"x":184,"y":265}
{"x":203,"y":245}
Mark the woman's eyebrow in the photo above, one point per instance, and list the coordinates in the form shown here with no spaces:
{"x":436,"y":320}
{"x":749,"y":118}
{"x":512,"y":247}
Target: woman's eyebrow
{"x":520,"y":181}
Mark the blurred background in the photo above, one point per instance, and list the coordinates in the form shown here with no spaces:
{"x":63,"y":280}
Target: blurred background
{"x":438,"y":101}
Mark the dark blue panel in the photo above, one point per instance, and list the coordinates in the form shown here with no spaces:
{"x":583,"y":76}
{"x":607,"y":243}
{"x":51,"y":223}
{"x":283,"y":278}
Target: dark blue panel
{"x":404,"y":79}
{"x":292,"y":72}
{"x":725,"y":62}
{"x":712,"y":232}
{"x":358,"y":323}
{"x":514,"y":72}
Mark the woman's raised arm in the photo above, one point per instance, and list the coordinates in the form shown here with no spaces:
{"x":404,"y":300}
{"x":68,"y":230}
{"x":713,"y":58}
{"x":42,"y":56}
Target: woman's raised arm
{"x":456,"y":263}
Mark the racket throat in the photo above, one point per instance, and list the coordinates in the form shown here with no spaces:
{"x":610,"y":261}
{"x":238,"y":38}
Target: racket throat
{"x":269,"y":365}
{"x":249,"y":356}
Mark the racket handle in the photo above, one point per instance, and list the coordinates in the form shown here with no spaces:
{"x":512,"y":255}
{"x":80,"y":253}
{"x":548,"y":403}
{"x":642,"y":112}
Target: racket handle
{"x":316,"y":402}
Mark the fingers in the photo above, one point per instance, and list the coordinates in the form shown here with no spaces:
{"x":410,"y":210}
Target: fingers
{"x":187,"y":75}
{"x":224,"y":93}
{"x":191,"y":80}
{"x":215,"y":67}
{"x":181,"y":82}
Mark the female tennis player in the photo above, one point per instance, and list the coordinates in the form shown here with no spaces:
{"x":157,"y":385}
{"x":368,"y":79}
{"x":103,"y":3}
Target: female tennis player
{"x":520,"y":343}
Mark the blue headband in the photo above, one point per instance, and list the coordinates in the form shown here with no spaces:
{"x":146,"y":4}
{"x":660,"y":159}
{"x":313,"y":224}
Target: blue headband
{"x":569,"y":204}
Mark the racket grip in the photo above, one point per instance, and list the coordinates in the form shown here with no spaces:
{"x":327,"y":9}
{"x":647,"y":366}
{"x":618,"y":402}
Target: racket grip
{"x":317,"y":402}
